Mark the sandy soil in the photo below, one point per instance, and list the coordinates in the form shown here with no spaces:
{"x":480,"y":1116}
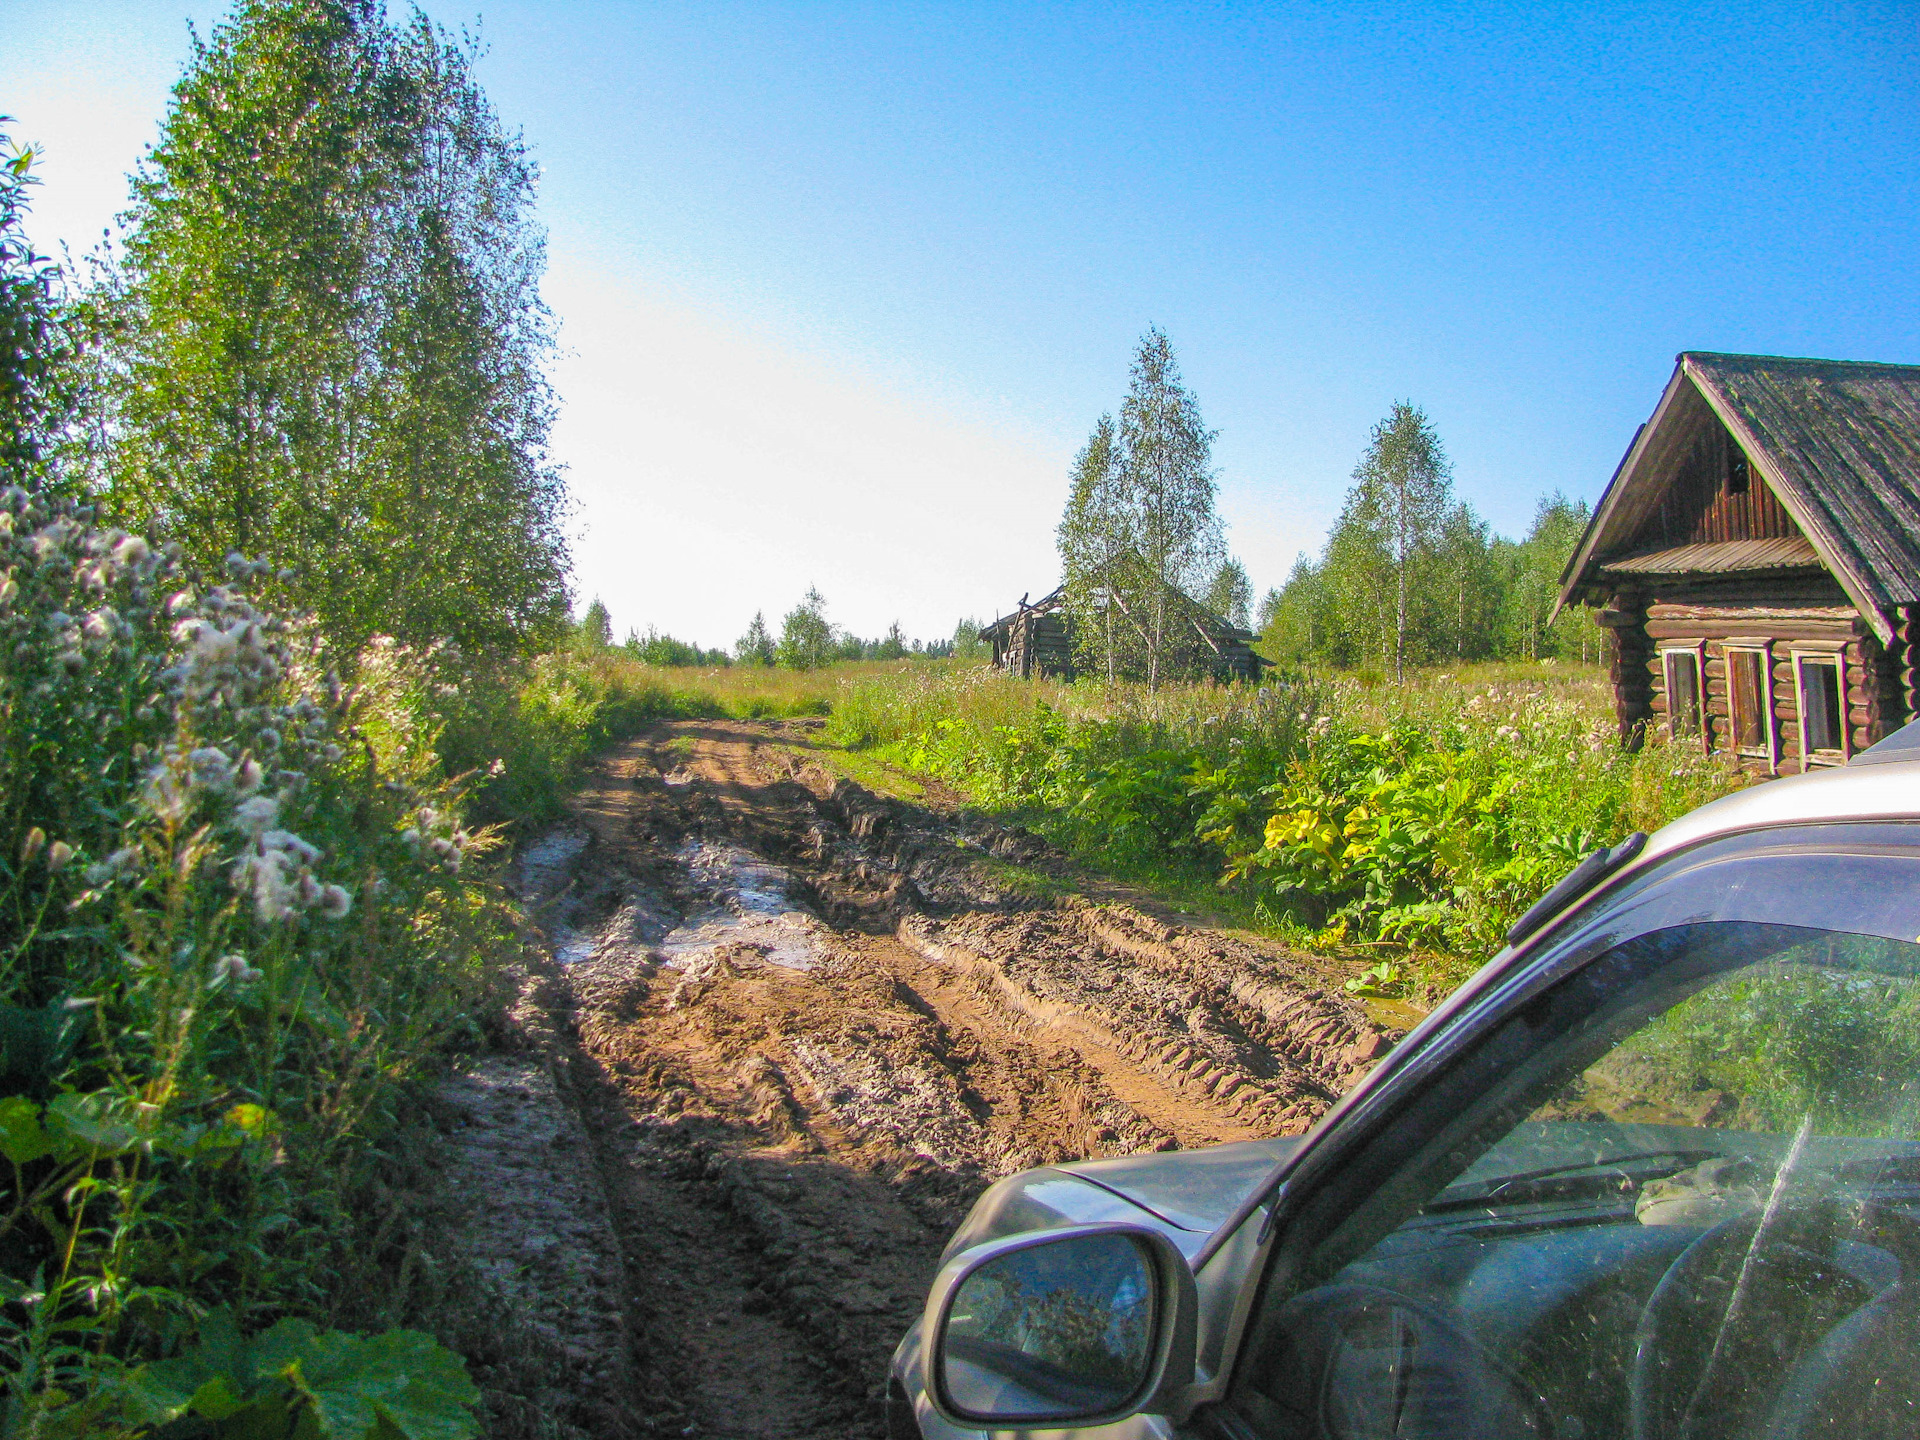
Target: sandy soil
{"x":801,"y":1026}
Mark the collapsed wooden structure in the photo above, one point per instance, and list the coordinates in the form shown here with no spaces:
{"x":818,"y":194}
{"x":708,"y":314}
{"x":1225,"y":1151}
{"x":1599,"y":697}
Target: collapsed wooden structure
{"x":1757,"y":558}
{"x":1040,"y":639}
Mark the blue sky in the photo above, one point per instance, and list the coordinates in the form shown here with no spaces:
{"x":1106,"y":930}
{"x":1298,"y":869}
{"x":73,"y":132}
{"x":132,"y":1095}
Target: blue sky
{"x":843,"y":287}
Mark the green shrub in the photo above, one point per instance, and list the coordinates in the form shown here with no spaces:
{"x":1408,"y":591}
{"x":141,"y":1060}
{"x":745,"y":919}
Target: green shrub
{"x":1428,"y":814}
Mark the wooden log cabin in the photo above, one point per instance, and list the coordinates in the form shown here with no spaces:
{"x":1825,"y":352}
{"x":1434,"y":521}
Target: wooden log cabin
{"x":1039,"y":639}
{"x":1757,"y":559}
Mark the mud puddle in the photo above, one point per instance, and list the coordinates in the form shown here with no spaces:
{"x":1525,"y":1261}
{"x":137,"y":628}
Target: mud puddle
{"x":751,"y":909}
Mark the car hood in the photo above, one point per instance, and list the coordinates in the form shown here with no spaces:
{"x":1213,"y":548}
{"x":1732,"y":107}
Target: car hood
{"x":1184,"y":1194}
{"x":1193,"y":1189}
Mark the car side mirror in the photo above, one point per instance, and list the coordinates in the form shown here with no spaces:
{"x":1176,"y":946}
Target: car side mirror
{"x":1081,"y":1326}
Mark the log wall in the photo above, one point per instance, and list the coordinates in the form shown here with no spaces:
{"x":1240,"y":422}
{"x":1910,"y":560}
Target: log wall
{"x":1878,"y":692}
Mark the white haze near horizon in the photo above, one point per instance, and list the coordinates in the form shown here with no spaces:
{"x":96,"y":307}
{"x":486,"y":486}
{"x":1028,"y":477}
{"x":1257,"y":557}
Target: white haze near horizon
{"x":719,"y":472}
{"x":715,"y":471}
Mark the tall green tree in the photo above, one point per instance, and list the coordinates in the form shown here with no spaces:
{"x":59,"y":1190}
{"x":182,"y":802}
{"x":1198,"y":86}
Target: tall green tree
{"x":1169,"y":497}
{"x":1095,"y":539}
{"x":756,"y":646}
{"x":325,"y":338}
{"x":596,"y":626}
{"x":1230,"y":595}
{"x":1533,"y":584}
{"x":1465,"y":586}
{"x":967,"y":644}
{"x":1403,"y":489}
{"x":806,"y":639}
{"x":35,"y":345}
{"x":1292,"y":618}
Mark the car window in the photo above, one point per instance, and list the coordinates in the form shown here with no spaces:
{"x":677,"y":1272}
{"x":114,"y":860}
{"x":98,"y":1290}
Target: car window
{"x":1676,"y":1195}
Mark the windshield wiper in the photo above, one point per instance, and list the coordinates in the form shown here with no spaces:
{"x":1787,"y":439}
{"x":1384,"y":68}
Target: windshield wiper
{"x":1556,"y":1182}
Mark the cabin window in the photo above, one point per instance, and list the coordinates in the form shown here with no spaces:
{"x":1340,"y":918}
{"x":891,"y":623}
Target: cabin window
{"x":1683,"y":692}
{"x":1823,"y":725}
{"x":1749,"y":697}
{"x":1737,"y":471}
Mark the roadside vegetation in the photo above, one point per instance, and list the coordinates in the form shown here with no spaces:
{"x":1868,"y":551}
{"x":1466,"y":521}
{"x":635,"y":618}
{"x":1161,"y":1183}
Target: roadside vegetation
{"x":283,"y":602}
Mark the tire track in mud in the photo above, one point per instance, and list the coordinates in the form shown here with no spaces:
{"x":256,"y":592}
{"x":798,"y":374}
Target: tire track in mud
{"x":809,"y":1026}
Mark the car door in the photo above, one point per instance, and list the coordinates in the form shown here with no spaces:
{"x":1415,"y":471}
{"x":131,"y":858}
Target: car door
{"x":1661,"y":1182}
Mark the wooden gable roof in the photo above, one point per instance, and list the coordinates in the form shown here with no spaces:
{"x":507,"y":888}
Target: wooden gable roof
{"x":1837,"y":443}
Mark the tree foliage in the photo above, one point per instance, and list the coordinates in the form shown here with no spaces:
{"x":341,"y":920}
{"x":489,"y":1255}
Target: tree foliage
{"x":756,"y":646}
{"x":323,"y":340}
{"x":1410,"y":575}
{"x":34,"y":343}
{"x":1230,"y":595}
{"x":806,"y":637}
{"x":1140,"y":537}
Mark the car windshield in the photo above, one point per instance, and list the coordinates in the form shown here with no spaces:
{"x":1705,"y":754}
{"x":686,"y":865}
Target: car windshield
{"x":1675,"y":1194}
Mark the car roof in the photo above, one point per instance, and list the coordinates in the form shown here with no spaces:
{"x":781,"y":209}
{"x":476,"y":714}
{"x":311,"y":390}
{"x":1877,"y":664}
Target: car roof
{"x":1878,"y":791}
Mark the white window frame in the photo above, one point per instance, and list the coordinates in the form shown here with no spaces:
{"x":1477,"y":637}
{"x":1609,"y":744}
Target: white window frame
{"x":1835,"y":656}
{"x":1769,"y":748}
{"x":1694,"y":650}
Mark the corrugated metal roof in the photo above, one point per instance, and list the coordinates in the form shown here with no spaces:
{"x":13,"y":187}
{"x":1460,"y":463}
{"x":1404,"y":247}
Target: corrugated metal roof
{"x":1786,"y":552}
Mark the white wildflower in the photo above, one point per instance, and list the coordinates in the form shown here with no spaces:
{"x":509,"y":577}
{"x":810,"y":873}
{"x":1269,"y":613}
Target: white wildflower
{"x":232,"y":968}
{"x":335,"y":902}
{"x":256,"y":815}
{"x":285,"y":842}
{"x":164,"y":797}
{"x":211,"y":766}
{"x":133,"y":551}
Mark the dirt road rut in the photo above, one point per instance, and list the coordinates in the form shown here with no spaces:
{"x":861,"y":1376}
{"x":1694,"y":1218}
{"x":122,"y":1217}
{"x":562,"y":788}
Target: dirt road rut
{"x":805,"y":1025}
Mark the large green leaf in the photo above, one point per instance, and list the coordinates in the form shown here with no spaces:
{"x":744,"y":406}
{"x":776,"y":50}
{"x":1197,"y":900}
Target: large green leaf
{"x":23,"y":1139}
{"x":402,"y":1377}
{"x":292,"y":1381}
{"x":90,"y":1120}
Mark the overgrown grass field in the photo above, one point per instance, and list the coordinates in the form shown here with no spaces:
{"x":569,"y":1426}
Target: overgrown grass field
{"x":1408,"y":823}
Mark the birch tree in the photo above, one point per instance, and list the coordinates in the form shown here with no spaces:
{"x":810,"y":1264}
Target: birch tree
{"x":1403,"y":490}
{"x":1169,"y":494}
{"x":325,"y":341}
{"x":1095,"y":539}
{"x":1230,"y":596}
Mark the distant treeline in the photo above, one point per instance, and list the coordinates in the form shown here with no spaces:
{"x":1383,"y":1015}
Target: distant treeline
{"x":1411,"y":575}
{"x":807,"y":641}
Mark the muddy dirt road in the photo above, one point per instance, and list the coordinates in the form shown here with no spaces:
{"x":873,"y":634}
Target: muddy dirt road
{"x":804,"y":1025}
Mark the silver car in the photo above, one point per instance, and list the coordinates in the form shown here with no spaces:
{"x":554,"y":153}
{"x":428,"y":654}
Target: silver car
{"x":1654,"y":1172}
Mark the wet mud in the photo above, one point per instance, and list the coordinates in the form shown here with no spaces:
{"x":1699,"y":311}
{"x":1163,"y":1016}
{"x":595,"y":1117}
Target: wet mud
{"x":801,"y":1027}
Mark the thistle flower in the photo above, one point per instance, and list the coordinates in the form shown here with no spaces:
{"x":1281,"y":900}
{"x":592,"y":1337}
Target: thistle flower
{"x":133,"y":551}
{"x":232,"y":968}
{"x":335,"y":902}
{"x":256,"y":815}
{"x":58,"y":854}
{"x":31,"y":847}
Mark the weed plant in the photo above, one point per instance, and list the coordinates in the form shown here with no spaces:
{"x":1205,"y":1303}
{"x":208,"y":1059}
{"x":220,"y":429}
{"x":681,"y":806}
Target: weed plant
{"x":239,"y":916}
